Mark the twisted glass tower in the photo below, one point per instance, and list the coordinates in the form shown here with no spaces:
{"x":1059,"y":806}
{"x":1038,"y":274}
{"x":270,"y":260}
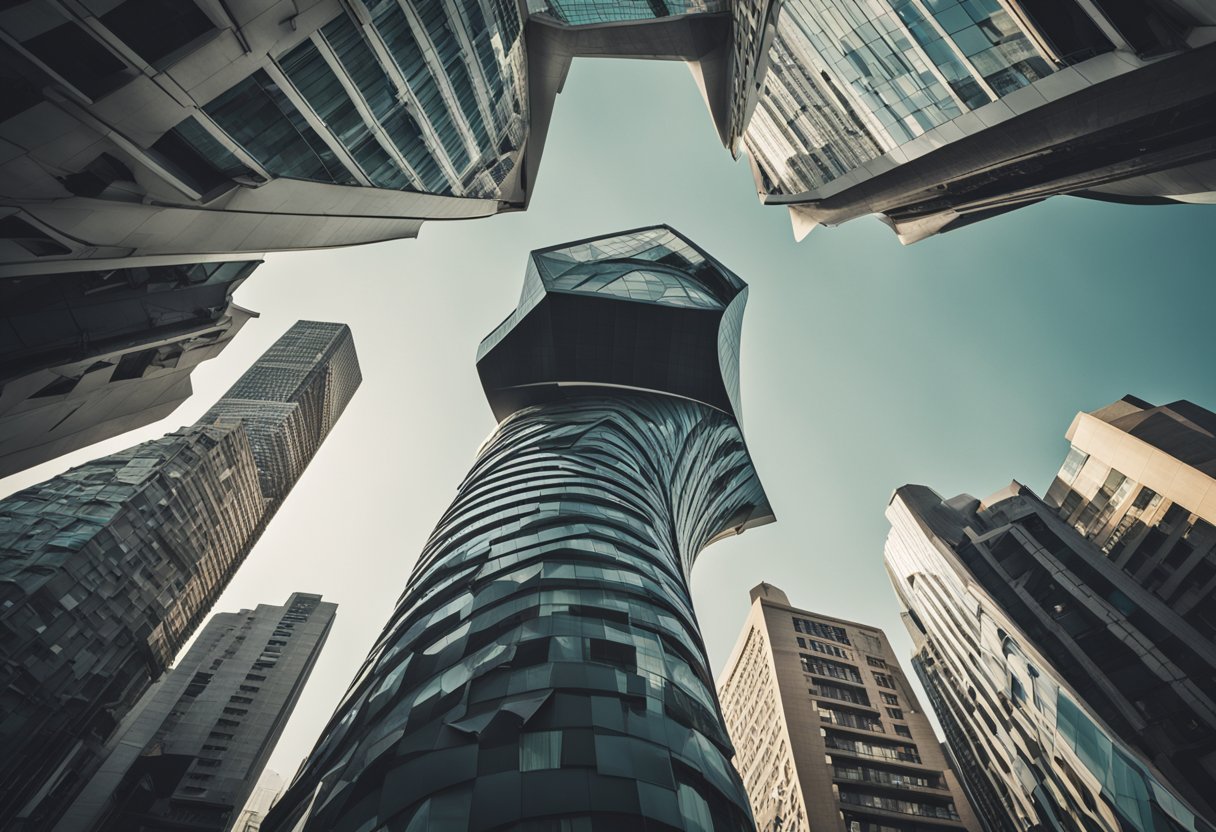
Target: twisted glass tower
{"x":544,"y":669}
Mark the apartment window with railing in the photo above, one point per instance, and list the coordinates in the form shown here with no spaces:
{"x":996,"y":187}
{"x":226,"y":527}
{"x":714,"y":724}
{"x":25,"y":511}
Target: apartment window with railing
{"x":867,"y":774}
{"x":878,"y":750}
{"x":829,"y":649}
{"x":814,"y":628}
{"x":850,"y":720}
{"x":905,"y":807}
{"x":857,"y":697}
{"x":827,"y":667}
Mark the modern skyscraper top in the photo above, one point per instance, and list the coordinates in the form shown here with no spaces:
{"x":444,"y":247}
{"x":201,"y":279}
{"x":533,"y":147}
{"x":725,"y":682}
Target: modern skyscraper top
{"x":158,"y":134}
{"x":644,"y":309}
{"x":290,"y":398}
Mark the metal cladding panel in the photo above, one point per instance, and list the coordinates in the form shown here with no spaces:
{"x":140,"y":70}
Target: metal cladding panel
{"x":544,"y":663}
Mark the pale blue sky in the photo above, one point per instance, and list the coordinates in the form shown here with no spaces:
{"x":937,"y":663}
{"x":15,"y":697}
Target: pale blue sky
{"x":957,"y":363}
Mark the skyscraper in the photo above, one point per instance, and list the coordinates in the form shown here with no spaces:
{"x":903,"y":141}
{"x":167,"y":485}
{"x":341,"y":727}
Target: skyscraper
{"x":828,"y":733}
{"x":1140,"y":483}
{"x":544,"y":664}
{"x":195,"y":745}
{"x":89,"y":355}
{"x":170,"y":132}
{"x":110,"y":567}
{"x":1070,"y":695}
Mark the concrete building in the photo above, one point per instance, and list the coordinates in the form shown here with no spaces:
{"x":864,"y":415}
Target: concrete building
{"x":190,"y":752}
{"x":543,"y":669}
{"x":89,"y":355}
{"x":264,"y":796}
{"x":1071,"y":696}
{"x":150,"y":132}
{"x":1139,"y":482}
{"x":110,"y":567}
{"x":828,"y":733}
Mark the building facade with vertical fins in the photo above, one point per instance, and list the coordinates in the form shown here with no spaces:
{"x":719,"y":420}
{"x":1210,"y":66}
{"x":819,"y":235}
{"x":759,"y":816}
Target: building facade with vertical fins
{"x":828,"y":733}
{"x":1139,"y":482}
{"x":1071,"y":695}
{"x":544,"y":667}
{"x":194,"y":747}
{"x":110,"y":567}
{"x":158,"y":132}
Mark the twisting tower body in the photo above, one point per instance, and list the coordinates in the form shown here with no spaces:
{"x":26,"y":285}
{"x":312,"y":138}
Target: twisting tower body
{"x":544,"y":668}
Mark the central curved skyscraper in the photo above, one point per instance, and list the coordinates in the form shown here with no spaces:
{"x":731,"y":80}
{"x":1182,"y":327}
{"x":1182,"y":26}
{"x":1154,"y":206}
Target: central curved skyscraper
{"x":544,"y":668}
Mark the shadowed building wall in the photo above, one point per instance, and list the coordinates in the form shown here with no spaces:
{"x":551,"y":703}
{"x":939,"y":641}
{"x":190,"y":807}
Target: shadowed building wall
{"x":544,"y":664}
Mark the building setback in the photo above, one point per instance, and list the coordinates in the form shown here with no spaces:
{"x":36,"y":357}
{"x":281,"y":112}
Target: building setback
{"x":1140,"y":483}
{"x":828,"y":734}
{"x":89,"y":355}
{"x":195,"y":745}
{"x":110,"y":567}
{"x":544,"y":668}
{"x":1071,"y":696}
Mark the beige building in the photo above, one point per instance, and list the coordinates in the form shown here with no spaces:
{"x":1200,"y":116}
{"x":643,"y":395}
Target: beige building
{"x":828,"y":734}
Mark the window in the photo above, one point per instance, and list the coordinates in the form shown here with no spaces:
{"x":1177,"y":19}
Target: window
{"x":33,"y":240}
{"x":855,"y":695}
{"x":1072,"y":465}
{"x":220,"y":735}
{"x":240,"y":700}
{"x":253,"y":677}
{"x":895,"y":713}
{"x":814,"y":628}
{"x":208,"y":763}
{"x":829,"y":649}
{"x":903,"y":731}
{"x":227,"y":723}
{"x":74,"y":54}
{"x":236,"y":711}
{"x":873,"y":662}
{"x":827,"y":667}
{"x":889,"y":698}
{"x":884,"y":680}
{"x":540,"y":750}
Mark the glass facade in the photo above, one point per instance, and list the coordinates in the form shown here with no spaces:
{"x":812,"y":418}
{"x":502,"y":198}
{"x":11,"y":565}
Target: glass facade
{"x":590,"y":12}
{"x":544,"y":667}
{"x":851,"y":80}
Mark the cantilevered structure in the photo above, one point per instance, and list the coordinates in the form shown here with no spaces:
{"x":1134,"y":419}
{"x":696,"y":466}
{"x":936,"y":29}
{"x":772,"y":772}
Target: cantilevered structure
{"x":157,"y":132}
{"x":544,"y":664}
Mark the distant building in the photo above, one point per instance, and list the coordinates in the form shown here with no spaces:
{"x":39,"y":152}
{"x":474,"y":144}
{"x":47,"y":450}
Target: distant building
{"x":828,"y":733}
{"x":110,"y":567}
{"x":543,"y":669}
{"x":1070,"y":695}
{"x":89,"y":355}
{"x":267,"y":791}
{"x":1140,"y":484}
{"x":197,"y":742}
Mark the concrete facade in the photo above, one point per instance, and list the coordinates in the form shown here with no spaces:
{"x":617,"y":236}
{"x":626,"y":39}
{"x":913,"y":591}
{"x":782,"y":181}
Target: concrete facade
{"x":828,"y":733}
{"x":197,"y":742}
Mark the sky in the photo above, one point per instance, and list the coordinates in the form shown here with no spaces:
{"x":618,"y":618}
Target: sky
{"x":956,"y":363}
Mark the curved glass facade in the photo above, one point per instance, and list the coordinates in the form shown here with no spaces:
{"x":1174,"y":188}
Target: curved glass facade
{"x":544,"y":667}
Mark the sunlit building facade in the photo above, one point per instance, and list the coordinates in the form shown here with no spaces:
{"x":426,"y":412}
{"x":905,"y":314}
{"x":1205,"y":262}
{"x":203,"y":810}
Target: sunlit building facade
{"x":1139,"y":482}
{"x":110,"y":567}
{"x":544,"y":668}
{"x":194,"y":746}
{"x":828,"y":733}
{"x":1071,"y":697}
{"x":149,"y":132}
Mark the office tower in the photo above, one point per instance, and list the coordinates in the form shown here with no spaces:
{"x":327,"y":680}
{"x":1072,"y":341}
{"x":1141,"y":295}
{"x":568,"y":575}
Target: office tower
{"x":195,"y":745}
{"x":89,"y":355}
{"x":290,"y":399}
{"x":111,"y":566}
{"x":543,"y":668}
{"x":260,"y":801}
{"x":1070,"y":695}
{"x":1140,"y":483}
{"x":828,"y":734}
{"x":158,"y":132}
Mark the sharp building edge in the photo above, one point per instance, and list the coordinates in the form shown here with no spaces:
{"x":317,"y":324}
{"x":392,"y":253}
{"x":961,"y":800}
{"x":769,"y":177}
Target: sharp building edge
{"x":1067,"y":642}
{"x":544,"y":668}
{"x":110,"y":567}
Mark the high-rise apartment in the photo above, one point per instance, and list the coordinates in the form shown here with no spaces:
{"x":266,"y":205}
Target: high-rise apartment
{"x":828,"y":733}
{"x":171,"y":132}
{"x":110,"y":567}
{"x":191,"y":751}
{"x":89,"y":355}
{"x":1139,"y":482}
{"x":1071,"y":696}
{"x":543,"y":668}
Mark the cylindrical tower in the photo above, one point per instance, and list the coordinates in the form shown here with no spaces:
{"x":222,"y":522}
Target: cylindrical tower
{"x":543,"y":669}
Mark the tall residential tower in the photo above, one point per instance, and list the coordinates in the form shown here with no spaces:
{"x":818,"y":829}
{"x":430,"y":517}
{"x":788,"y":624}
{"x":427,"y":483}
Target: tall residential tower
{"x":544,"y":664}
{"x":194,"y":747}
{"x":110,"y":567}
{"x":828,"y":733}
